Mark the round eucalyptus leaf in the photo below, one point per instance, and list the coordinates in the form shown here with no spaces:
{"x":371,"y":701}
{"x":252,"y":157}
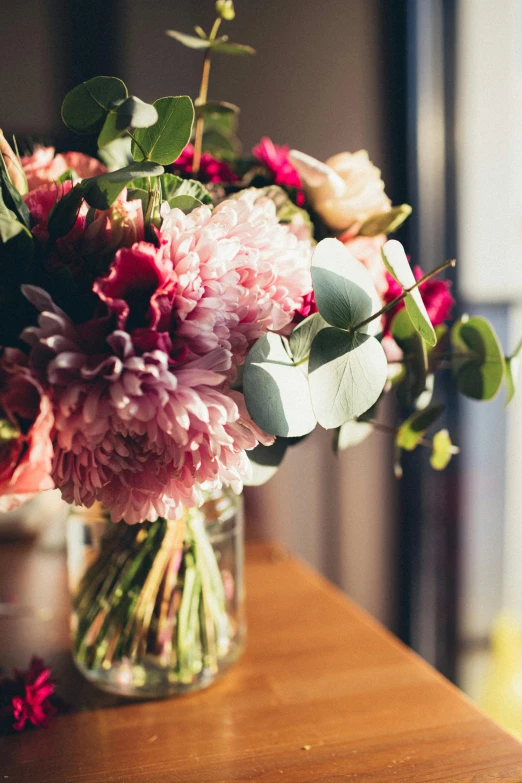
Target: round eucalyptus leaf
{"x":352,"y":434}
{"x":215,"y":107}
{"x":411,"y":431}
{"x":477,"y":359}
{"x":347,"y":373}
{"x":129,"y":113}
{"x":265,"y":461}
{"x":385,"y":222}
{"x":191,"y":41}
{"x":164,"y":141}
{"x":398,"y":266}
{"x":303,"y":335}
{"x":416,"y":357}
{"x":102,"y":191}
{"x":344,"y":291}
{"x":276,"y":390}
{"x":185,"y":203}
{"x":85,"y":107}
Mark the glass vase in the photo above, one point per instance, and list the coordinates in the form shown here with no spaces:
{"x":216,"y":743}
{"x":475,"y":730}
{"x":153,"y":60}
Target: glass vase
{"x":157,"y":609}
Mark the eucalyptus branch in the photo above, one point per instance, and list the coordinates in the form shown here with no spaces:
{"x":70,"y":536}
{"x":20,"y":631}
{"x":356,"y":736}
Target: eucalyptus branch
{"x":202,"y":99}
{"x":404,"y":294}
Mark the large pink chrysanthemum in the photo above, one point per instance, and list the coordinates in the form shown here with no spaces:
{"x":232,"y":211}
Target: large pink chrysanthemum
{"x":239,"y":273}
{"x":130,"y":430}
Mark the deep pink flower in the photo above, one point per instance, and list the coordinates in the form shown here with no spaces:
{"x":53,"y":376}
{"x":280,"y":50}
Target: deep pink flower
{"x":26,"y":450}
{"x":210,"y":168}
{"x":26,"y":699}
{"x":275,"y":158}
{"x":43,"y":167}
{"x":307,"y":308}
{"x":435,"y":294}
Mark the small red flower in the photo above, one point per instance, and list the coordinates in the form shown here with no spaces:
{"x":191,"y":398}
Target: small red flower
{"x":210,"y":168}
{"x":26,"y":699}
{"x":307,"y":308}
{"x":435,"y":294}
{"x":275,"y":158}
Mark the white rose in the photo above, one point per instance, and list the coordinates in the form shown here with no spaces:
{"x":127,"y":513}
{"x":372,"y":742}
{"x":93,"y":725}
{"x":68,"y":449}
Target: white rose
{"x":345,"y":190}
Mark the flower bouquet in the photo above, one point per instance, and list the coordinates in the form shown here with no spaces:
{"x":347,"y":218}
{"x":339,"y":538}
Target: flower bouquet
{"x":176,"y":315}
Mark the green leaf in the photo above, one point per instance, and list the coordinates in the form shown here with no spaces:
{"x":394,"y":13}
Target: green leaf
{"x":477,"y":359}
{"x":102,"y":191}
{"x":220,"y":142}
{"x":187,"y":187}
{"x":189,"y":40}
{"x":344,"y":291}
{"x":65,"y":211}
{"x":164,"y":141}
{"x":117,"y":154}
{"x":513,"y":372}
{"x":215,"y":108}
{"x":130,"y":113}
{"x":85,"y":108}
{"x":185,"y":203}
{"x":351,"y":434}
{"x":385,"y":222}
{"x":411,"y":431}
{"x":397,"y":264}
{"x":347,"y":373}
{"x":265,"y":461}
{"x":233,"y":48}
{"x":302,"y":337}
{"x":70,"y":174}
{"x":415,"y":353}
{"x":12,"y":198}
{"x":276,"y":390}
{"x":443,"y":450}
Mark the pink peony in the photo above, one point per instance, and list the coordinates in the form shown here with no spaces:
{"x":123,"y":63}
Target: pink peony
{"x":26,"y":699}
{"x":435,"y":294}
{"x":210,"y":168}
{"x":239,"y":273}
{"x":26,"y":450}
{"x":276,"y":160}
{"x":43,"y":167}
{"x":134,"y":431}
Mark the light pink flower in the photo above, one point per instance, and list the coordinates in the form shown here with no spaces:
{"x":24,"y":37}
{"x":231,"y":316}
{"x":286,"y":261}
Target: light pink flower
{"x":239,"y":273}
{"x":43,"y":167}
{"x":26,"y":450}
{"x":133,"y":431}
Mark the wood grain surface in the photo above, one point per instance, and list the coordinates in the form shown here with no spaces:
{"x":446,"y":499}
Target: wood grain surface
{"x":322,"y":694}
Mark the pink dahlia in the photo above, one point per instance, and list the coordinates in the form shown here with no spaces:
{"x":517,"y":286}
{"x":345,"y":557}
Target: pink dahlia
{"x":43,"y":167}
{"x":210,"y":168}
{"x":276,"y":160}
{"x":435,"y":294}
{"x":239,"y":273}
{"x":26,"y":699}
{"x":26,"y":420}
{"x":134,"y":431}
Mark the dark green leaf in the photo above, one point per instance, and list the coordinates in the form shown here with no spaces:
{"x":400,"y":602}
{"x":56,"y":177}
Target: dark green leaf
{"x":102,"y":191}
{"x":265,"y":461}
{"x":185,"y":203}
{"x":85,"y":108}
{"x":385,"y":222}
{"x":65,"y":211}
{"x":13,"y":200}
{"x":233,"y":48}
{"x":303,"y":335}
{"x":189,"y":40}
{"x":215,"y":107}
{"x":164,"y":141}
{"x":276,"y":390}
{"x":443,"y":450}
{"x":344,"y":291}
{"x":415,"y":356}
{"x":347,"y":373}
{"x":412,"y":430}
{"x":130,"y":113}
{"x":477,"y":359}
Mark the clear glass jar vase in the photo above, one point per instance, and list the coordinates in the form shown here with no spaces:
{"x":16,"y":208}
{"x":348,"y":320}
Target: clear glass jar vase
{"x":157,"y":609}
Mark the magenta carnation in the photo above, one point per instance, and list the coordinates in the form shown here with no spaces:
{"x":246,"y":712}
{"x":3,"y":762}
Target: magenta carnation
{"x":275,"y":158}
{"x":435,"y":294}
{"x":239,"y":273}
{"x":210,"y":168}
{"x":26,"y":698}
{"x":133,"y":431}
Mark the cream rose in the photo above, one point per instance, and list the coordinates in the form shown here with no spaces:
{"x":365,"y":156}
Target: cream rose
{"x":345,"y":190}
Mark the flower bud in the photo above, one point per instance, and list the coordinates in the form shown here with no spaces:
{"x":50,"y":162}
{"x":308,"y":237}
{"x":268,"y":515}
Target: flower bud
{"x":225,"y":10}
{"x":13,"y":166}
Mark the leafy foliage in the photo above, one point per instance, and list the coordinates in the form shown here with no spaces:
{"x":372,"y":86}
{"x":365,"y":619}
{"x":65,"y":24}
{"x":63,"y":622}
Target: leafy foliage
{"x":477,"y":360}
{"x":164,"y":141}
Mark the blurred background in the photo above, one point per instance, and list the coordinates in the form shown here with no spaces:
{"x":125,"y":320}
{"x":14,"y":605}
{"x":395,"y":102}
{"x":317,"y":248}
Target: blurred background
{"x":433,"y":90}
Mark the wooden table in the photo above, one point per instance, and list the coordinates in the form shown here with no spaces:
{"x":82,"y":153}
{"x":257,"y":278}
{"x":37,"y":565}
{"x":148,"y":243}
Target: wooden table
{"x":323,"y":693}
